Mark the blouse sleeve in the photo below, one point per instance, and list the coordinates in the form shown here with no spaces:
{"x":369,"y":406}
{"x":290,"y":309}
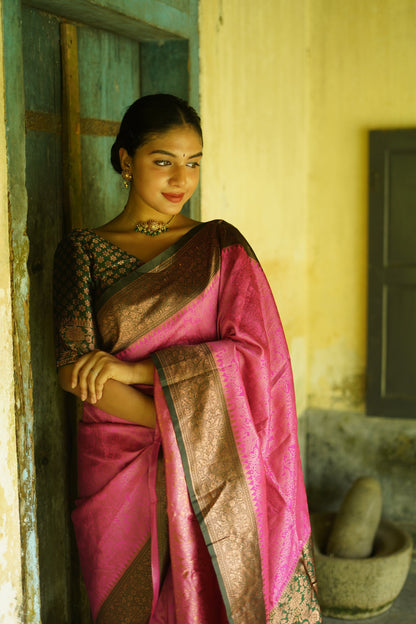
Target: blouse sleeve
{"x":73,"y":289}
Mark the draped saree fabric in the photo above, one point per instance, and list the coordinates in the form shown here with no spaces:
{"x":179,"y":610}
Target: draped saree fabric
{"x":204,"y":519}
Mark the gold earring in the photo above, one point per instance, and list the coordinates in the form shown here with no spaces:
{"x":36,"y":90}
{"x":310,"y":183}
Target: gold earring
{"x":127,"y":177}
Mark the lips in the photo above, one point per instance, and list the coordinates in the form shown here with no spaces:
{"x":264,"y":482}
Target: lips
{"x":175,"y":198}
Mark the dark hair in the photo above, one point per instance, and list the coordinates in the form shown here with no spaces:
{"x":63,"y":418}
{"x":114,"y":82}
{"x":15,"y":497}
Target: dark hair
{"x":149,"y":115}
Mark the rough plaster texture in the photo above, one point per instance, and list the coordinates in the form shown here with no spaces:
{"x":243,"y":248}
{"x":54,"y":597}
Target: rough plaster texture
{"x":253,"y":85}
{"x":342,"y":447}
{"x":289,"y":91}
{"x":10,"y":570}
{"x":361,"y":56}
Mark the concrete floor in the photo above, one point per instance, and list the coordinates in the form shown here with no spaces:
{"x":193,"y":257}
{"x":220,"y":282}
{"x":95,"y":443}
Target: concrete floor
{"x":403,"y":610}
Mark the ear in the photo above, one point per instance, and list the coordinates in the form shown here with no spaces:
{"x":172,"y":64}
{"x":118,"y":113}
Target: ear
{"x":125,"y":158}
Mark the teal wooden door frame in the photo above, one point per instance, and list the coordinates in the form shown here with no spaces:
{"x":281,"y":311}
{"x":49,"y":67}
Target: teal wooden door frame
{"x":142,"y":20}
{"x":149,"y":21}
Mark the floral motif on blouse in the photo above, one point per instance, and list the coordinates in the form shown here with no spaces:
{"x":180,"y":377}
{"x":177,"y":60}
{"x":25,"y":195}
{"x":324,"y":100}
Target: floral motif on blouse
{"x":85,"y":266}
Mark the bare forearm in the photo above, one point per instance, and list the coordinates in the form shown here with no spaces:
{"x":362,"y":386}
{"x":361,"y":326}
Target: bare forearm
{"x":116,"y":397}
{"x":127,"y":402}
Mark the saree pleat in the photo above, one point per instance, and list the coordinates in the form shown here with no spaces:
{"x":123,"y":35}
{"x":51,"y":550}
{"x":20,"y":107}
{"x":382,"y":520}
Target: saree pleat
{"x":130,"y":601}
{"x":221,"y":533}
{"x":215,"y":481}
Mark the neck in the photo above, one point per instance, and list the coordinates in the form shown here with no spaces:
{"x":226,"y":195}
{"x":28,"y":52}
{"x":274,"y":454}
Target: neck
{"x":136,"y":215}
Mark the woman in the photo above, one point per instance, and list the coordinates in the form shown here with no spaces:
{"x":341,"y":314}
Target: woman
{"x":191,"y":504}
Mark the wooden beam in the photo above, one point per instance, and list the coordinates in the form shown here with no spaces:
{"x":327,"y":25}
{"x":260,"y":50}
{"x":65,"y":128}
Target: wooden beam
{"x":43,"y":122}
{"x":99,"y":127}
{"x":71,"y":128}
{"x":38,"y":121}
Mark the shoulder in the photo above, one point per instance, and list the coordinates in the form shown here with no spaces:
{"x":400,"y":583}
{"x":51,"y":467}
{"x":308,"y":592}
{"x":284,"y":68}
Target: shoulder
{"x":230,"y":237}
{"x":75,"y":252}
{"x":78,"y":241}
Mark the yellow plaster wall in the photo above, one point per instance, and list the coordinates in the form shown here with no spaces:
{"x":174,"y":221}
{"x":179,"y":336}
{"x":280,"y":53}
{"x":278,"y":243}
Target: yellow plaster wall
{"x":289,"y":91}
{"x":363,"y":76}
{"x":10,"y":568}
{"x":253,"y":82}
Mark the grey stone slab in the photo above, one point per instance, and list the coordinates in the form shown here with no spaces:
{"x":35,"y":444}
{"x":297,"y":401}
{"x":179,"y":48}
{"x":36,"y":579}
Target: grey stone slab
{"x":342,"y":447}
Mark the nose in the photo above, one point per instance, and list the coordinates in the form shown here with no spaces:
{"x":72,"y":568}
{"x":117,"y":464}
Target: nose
{"x":179,"y":176}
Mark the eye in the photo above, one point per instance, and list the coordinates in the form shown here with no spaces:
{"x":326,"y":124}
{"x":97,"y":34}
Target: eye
{"x":162,"y":163}
{"x":192,"y":165}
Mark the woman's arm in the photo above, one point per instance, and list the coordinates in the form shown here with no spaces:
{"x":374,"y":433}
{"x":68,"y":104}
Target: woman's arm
{"x":105,"y":381}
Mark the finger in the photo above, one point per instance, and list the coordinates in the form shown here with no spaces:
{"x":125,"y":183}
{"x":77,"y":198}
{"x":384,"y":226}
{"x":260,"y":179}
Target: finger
{"x":84,"y":366}
{"x":98,"y":375}
{"x":100,"y":382}
{"x":105,"y":371}
{"x":91,"y":380}
{"x":76,"y":369}
{"x":87,"y":361}
{"x":94,"y":369}
{"x":86,"y":381}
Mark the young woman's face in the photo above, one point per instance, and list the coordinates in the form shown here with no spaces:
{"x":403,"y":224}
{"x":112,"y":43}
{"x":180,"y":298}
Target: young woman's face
{"x":165,"y":171}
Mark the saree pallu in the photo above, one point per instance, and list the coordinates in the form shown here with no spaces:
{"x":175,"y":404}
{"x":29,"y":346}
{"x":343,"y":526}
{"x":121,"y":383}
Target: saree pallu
{"x":204,"y":519}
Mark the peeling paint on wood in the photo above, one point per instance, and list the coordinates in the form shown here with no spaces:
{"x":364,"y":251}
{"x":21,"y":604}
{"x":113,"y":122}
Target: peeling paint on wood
{"x":13,"y":67}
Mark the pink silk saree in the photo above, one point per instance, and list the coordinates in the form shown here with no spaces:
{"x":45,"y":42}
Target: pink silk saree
{"x":203,"y":520}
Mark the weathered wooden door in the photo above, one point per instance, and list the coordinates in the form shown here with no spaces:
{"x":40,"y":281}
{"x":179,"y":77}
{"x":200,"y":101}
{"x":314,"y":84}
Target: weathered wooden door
{"x":74,"y":78}
{"x":83,"y":64}
{"x":391,"y":386}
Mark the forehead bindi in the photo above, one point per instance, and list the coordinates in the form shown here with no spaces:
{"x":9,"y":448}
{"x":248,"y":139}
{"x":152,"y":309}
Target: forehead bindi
{"x":163,"y":152}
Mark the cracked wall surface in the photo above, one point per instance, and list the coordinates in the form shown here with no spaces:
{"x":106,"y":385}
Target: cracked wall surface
{"x":10,"y":567}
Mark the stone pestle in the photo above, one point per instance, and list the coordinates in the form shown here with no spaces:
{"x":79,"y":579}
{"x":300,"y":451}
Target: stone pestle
{"x":355,"y":525}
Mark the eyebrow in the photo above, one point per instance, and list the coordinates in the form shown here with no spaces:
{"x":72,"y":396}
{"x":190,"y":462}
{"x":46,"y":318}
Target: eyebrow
{"x":160,"y":151}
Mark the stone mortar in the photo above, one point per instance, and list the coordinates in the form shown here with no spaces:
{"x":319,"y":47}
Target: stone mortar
{"x":354,"y":589}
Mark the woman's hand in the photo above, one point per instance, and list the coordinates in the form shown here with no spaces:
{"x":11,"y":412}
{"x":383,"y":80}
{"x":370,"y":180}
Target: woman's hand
{"x":92,"y":370}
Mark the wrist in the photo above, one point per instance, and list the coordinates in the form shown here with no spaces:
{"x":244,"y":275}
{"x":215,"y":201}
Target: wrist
{"x":143,"y":372}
